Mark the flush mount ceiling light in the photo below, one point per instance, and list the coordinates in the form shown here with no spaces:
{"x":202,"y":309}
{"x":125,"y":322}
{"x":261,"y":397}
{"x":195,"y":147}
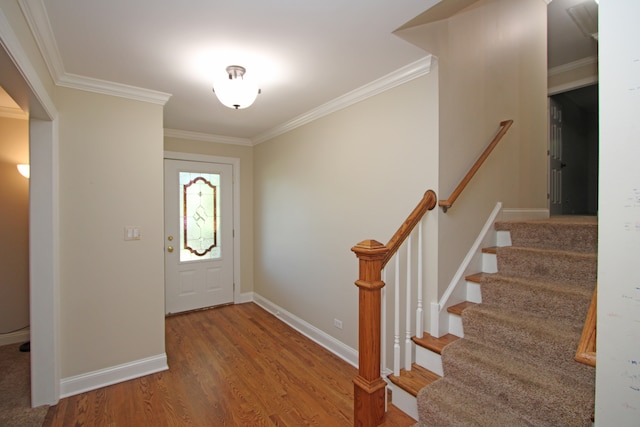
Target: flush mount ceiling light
{"x":236,"y":91}
{"x":24,"y":170}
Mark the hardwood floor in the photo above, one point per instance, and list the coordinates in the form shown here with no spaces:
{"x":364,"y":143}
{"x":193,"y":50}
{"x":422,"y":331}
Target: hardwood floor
{"x":230,"y":366}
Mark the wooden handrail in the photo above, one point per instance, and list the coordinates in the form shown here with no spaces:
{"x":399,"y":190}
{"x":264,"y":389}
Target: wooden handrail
{"x":446,"y":204}
{"x":427,"y":203}
{"x":368,"y":386}
{"x":586,"y":352}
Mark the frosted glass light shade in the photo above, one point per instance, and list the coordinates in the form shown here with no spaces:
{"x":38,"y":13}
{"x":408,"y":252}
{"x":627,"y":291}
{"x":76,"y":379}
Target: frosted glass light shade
{"x":236,"y":91}
{"x":24,"y":170}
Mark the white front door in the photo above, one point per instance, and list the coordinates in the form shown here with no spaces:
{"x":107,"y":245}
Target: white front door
{"x":198,"y":234}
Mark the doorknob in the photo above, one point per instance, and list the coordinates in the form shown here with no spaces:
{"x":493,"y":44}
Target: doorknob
{"x":169,"y":248}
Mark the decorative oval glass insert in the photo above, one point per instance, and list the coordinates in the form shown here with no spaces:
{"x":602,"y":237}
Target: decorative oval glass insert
{"x":199,"y":208}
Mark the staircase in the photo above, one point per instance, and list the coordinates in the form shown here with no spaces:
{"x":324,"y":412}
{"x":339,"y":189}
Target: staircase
{"x":511,"y":362}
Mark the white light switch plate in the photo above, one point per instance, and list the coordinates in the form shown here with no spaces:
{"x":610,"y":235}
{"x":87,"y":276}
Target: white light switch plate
{"x":132,"y":233}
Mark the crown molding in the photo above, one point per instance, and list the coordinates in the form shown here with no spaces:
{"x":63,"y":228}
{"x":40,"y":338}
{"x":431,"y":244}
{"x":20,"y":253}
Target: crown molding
{"x":206,"y":137}
{"x":13,"y":113}
{"x":569,"y":66}
{"x":36,"y":15}
{"x":412,"y":71}
{"x":89,"y":84}
{"x":9,"y":40}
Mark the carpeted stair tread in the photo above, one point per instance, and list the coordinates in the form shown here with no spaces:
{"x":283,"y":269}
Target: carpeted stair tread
{"x":444,"y":404}
{"x":538,"y":298}
{"x":553,"y":398}
{"x":545,"y":343}
{"x":546,"y":265}
{"x":578,"y":234}
{"x":515,"y":365}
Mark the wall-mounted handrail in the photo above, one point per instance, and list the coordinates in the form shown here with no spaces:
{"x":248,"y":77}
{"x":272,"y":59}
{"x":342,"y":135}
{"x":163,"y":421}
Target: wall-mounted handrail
{"x":586,"y":352}
{"x":446,"y":204}
{"x":369,"y":387}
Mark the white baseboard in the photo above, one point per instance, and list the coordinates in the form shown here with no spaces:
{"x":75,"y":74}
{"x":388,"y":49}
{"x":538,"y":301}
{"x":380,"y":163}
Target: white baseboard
{"x":15,"y":337}
{"x":97,"y":379}
{"x":244,"y":298}
{"x":338,"y":348}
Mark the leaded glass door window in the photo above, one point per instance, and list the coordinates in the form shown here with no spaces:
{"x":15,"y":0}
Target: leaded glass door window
{"x":200,"y":217}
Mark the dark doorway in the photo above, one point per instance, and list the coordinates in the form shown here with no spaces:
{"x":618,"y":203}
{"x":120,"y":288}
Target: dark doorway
{"x":579,"y":151}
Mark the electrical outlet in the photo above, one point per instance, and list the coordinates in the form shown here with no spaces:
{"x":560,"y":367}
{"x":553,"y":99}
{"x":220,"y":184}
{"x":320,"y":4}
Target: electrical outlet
{"x":337,"y":323}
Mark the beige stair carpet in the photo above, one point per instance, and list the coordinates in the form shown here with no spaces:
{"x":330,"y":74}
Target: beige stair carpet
{"x":515,"y":365}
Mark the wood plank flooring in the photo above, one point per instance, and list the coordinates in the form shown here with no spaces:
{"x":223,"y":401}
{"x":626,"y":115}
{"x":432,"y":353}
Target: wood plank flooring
{"x":230,"y":366}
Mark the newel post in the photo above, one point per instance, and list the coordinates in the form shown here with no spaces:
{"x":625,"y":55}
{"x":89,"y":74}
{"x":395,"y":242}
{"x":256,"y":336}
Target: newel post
{"x":368,"y":387}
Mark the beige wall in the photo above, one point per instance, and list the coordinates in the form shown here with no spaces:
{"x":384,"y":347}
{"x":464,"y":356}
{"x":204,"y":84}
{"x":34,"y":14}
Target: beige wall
{"x":245,"y":154}
{"x":492,"y":67}
{"x":111,"y":290}
{"x":14,"y":226}
{"x":322,"y":188}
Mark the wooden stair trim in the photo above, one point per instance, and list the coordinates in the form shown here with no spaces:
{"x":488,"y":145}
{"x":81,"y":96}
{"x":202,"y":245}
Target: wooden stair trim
{"x":586,"y":352}
{"x":414,"y":380}
{"x":435,"y":344}
{"x":490,"y":250}
{"x":460,"y":307}
{"x":477,"y":277}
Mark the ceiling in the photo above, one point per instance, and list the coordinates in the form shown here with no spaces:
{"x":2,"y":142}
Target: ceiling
{"x":566,"y":41}
{"x":305,"y":55}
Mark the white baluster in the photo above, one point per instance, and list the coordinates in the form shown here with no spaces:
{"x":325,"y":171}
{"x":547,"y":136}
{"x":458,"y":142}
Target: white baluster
{"x":419,"y":311}
{"x":383,"y":325}
{"x":383,"y":338}
{"x":396,"y":320}
{"x":407,"y":338}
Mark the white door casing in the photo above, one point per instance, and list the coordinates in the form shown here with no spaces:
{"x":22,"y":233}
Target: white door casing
{"x":198,"y":277}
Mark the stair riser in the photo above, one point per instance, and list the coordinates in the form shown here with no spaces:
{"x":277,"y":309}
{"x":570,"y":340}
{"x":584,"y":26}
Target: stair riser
{"x":474,"y":292}
{"x":489,"y":263}
{"x":572,"y":268}
{"x":537,"y":300}
{"x":455,"y":325}
{"x":429,"y":360}
{"x":404,"y":401}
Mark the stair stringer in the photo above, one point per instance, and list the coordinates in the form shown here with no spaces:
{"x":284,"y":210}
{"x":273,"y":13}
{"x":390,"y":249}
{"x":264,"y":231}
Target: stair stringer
{"x":458,"y":289}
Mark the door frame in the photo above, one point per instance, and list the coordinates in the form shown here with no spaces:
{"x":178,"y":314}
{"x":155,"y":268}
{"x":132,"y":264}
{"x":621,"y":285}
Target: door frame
{"x":235,"y":163}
